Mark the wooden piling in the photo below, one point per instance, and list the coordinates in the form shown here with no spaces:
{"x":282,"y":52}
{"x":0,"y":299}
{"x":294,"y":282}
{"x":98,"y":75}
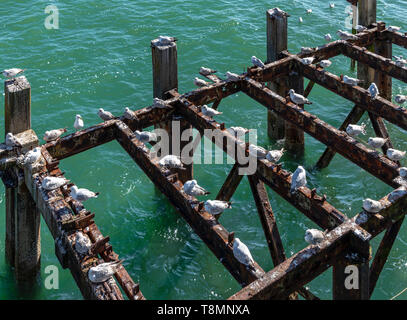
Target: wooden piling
{"x":276,"y":43}
{"x":22,"y":220}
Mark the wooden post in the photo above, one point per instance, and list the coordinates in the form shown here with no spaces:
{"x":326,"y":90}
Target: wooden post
{"x":22,"y":219}
{"x":276,"y":43}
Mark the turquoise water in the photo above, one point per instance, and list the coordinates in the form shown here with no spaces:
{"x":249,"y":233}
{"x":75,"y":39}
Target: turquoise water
{"x":100,"y":57}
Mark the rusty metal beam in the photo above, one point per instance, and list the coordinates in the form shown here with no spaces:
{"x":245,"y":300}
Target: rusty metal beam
{"x":396,"y":37}
{"x":230,"y":185}
{"x":368,"y":159}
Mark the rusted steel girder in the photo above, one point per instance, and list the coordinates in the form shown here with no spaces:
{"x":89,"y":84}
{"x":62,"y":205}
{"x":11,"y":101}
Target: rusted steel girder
{"x":379,"y":106}
{"x":230,"y":185}
{"x":306,"y":265}
{"x":368,"y":159}
{"x":313,"y":206}
{"x":396,"y":37}
{"x":374,"y":61}
{"x":205,"y":225}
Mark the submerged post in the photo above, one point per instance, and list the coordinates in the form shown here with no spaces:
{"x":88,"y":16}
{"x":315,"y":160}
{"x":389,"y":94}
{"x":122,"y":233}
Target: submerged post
{"x":276,"y":43}
{"x":23,"y":247}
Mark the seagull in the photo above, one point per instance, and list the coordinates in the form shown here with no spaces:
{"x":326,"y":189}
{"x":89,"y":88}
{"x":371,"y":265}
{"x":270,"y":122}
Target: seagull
{"x":306,"y":50}
{"x":82,"y":194}
{"x":332,"y":5}
{"x":13,"y":72}
{"x":298,"y":179}
{"x":238,"y":131}
{"x":82,"y":243}
{"x":230,"y":76}
{"x":360,"y":28}
{"x":393,"y":28}
{"x":307,"y":61}
{"x":104,"y":271}
{"x":164,"y":40}
{"x":33,"y":156}
{"x":300,"y":19}
{"x":192,"y":188}
{"x":354,"y":130}
{"x":400,"y":99}
{"x":12,"y":140}
{"x":328,"y":37}
{"x":78,"y":124}
{"x":400,"y":61}
{"x":200,"y":83}
{"x":257,"y":62}
{"x":53,"y":134}
{"x":351,"y":81}
{"x":346,"y":35}
{"x":377,"y":142}
{"x":171,"y":161}
{"x":215,"y":207}
{"x":52,"y":183}
{"x":297,"y":98}
{"x":257,"y":151}
{"x":242,"y":253}
{"x":374,"y":91}
{"x":145,"y":136}
{"x":372,"y":206}
{"x":159,"y":103}
{"x":309,"y":11}
{"x":397,"y":194}
{"x":105,"y":115}
{"x":314,"y":236}
{"x":403,"y":172}
{"x":325,"y":63}
{"x":395,"y":155}
{"x":274,"y":155}
{"x":209,"y":112}
{"x":129,"y":114}
{"x":206,"y":71}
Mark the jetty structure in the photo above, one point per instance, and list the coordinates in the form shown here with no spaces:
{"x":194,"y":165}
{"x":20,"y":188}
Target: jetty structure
{"x":347,"y":240}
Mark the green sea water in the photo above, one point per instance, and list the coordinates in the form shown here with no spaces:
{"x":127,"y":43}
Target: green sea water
{"x":100,"y":57}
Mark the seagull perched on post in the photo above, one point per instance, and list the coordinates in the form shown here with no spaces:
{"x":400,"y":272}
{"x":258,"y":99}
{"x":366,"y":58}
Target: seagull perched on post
{"x":200,"y":83}
{"x":314,"y":236}
{"x":192,"y":188}
{"x":33,"y":156}
{"x":307,"y":50}
{"x":351,"y":81}
{"x":209,"y":112}
{"x":393,"y":28}
{"x":206,"y":71}
{"x":400,"y":61}
{"x":372,"y":206}
{"x":215,"y":207}
{"x":238,"y":131}
{"x":397,"y":194}
{"x":297,"y":98}
{"x":298,"y":179}
{"x":12,"y":140}
{"x":328,"y":37}
{"x":160,"y":104}
{"x":275,"y":155}
{"x":165,"y":40}
{"x":400,"y":99}
{"x":129,"y":114}
{"x":360,"y":28}
{"x":82,"y":194}
{"x":53,"y":134}
{"x":377,"y":142}
{"x":307,"y":61}
{"x":171,"y":161}
{"x":325,"y":63}
{"x":395,"y":155}
{"x":104,"y":271}
{"x":257,"y":62}
{"x":346,"y":35}
{"x":374,"y":91}
{"x":242,"y":253}
{"x":230,"y":76}
{"x":13,"y":72}
{"x":354,"y":130}
{"x":105,"y":115}
{"x":78,"y":124}
{"x":257,"y":151}
{"x":52,"y":183}
{"x":82,"y":243}
{"x":145,"y":136}
{"x":403,"y":172}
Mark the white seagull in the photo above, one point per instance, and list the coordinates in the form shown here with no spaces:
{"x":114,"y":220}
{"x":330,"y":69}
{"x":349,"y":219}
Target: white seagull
{"x":159,"y":103}
{"x":33,"y":156}
{"x":397,"y":194}
{"x":400,"y":99}
{"x":360,"y":28}
{"x":52,"y":135}
{"x":354,"y":130}
{"x":374,"y":91}
{"x":105,"y":115}
{"x":306,"y":50}
{"x":309,"y":11}
{"x":393,"y":28}
{"x":215,"y":207}
{"x":12,"y":140}
{"x":238,"y":131}
{"x":171,"y":161}
{"x":275,"y":155}
{"x":395,"y":155}
{"x":257,"y":62}
{"x":206,"y":71}
{"x":165,"y":40}
{"x":129,"y":114}
{"x":242,"y":253}
{"x":314,"y":236}
{"x":257,"y":151}
{"x":52,"y":183}
{"x":297,"y":98}
{"x":298,"y":179}
{"x":351,"y":81}
{"x":403,"y":172}
{"x":13,"y":72}
{"x":209,"y":112}
{"x":328,"y":37}
{"x":325,"y":63}
{"x":78,"y":124}
{"x":230,"y":76}
{"x":82,"y":194}
{"x":372,"y":206}
{"x":308,"y":61}
{"x":104,"y":271}
{"x":192,"y":188}
{"x":82,"y":243}
{"x":346,"y":35}
{"x":376,"y":142}
{"x":145,"y":136}
{"x":200,"y":83}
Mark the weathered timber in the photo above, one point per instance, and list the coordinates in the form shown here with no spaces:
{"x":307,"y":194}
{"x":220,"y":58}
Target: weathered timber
{"x":342,"y":143}
{"x":230,"y":185}
{"x":305,"y":265}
